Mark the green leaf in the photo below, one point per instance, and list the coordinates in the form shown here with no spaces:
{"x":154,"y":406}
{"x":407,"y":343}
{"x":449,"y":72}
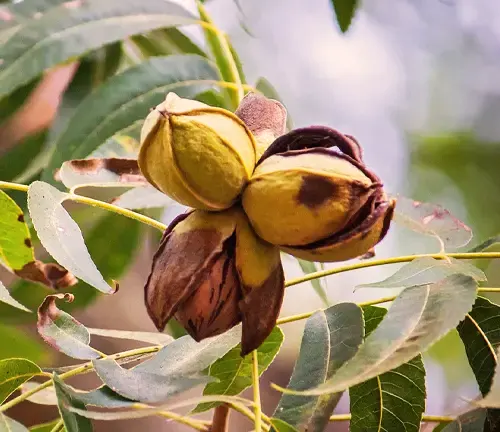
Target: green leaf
{"x":18,"y":343}
{"x":418,"y":317}
{"x":432,"y":220}
{"x":11,"y":103}
{"x":282,"y":426}
{"x":61,"y":236}
{"x":9,"y":425}
{"x":45,"y":427}
{"x":14,"y":372}
{"x":331,"y":337}
{"x":267,"y":89}
{"x":66,"y":33}
{"x":72,"y":421}
{"x":15,"y":240}
{"x":490,"y":245}
{"x":472,"y":421}
{"x":5,"y":297}
{"x":166,"y":42}
{"x":234,"y":373}
{"x":222,"y":53}
{"x":427,"y":270}
{"x":123,"y":233}
{"x":62,"y":332}
{"x":143,"y":386}
{"x":480,"y":333}
{"x":127,"y":98}
{"x":344,"y":11}
{"x":122,"y":145}
{"x":153,"y":338}
{"x":393,"y":401}
{"x":101,"y":397}
{"x":310,"y":267}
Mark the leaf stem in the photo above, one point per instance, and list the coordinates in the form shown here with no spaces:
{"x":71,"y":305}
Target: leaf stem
{"x":58,"y":426}
{"x":177,"y":417}
{"x":393,"y":260}
{"x":256,"y":392}
{"x":78,"y":370}
{"x":425,"y":418}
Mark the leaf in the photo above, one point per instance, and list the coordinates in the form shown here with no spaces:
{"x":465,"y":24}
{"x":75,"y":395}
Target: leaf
{"x":472,"y":421}
{"x":61,"y":236}
{"x":122,"y":145}
{"x":142,"y":197}
{"x":480,"y":333}
{"x":62,"y":332}
{"x":393,"y":401}
{"x":15,"y":240}
{"x":72,"y":421}
{"x":310,"y":267}
{"x":344,"y":11}
{"x":121,"y":415}
{"x":73,"y":30}
{"x":418,"y":317}
{"x":143,"y":386}
{"x":9,"y":425}
{"x":154,"y":338}
{"x":101,"y":397}
{"x":6,"y":298}
{"x":282,"y":426}
{"x":47,"y":396}
{"x":166,"y":42}
{"x":11,"y":103}
{"x":14,"y":372}
{"x":222,"y":53}
{"x":432,"y":220}
{"x":331,"y":337}
{"x":425,"y":270}
{"x":18,"y":343}
{"x":127,"y":98}
{"x":100,"y":172}
{"x":490,"y":245}
{"x":45,"y":427}
{"x":267,"y":89}
{"x":234,"y":373}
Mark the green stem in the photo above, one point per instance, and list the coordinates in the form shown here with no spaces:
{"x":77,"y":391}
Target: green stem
{"x":58,"y":426}
{"x":80,"y":369}
{"x":176,"y":417}
{"x":393,"y":260}
{"x":256,"y":392}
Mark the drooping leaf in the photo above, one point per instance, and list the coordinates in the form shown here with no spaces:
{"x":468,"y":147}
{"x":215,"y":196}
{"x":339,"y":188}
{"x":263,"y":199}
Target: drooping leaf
{"x":418,"y":317}
{"x":472,"y":421}
{"x":344,"y":11}
{"x":127,"y":98}
{"x":61,"y":236}
{"x":123,"y":233}
{"x":222,"y":53}
{"x":267,"y":89}
{"x":142,"y":197}
{"x":310,"y":267}
{"x":9,"y":425}
{"x":72,"y":422}
{"x":62,"y":332}
{"x":110,"y":171}
{"x":45,"y":427}
{"x":101,"y":397}
{"x":393,"y":401}
{"x":13,"y":373}
{"x":154,"y":338}
{"x":331,"y":337}
{"x":432,"y":220}
{"x":143,"y":386}
{"x":71,"y":31}
{"x":47,"y":396}
{"x":480,"y":333}
{"x":234,"y":373}
{"x":5,"y":297}
{"x":122,"y":415}
{"x":427,"y":270}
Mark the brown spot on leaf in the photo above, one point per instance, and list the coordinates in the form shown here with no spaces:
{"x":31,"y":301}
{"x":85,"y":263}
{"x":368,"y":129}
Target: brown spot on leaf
{"x":127,"y":169}
{"x":27,"y":242}
{"x":50,"y":274}
{"x":315,"y":190}
{"x":20,"y":218}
